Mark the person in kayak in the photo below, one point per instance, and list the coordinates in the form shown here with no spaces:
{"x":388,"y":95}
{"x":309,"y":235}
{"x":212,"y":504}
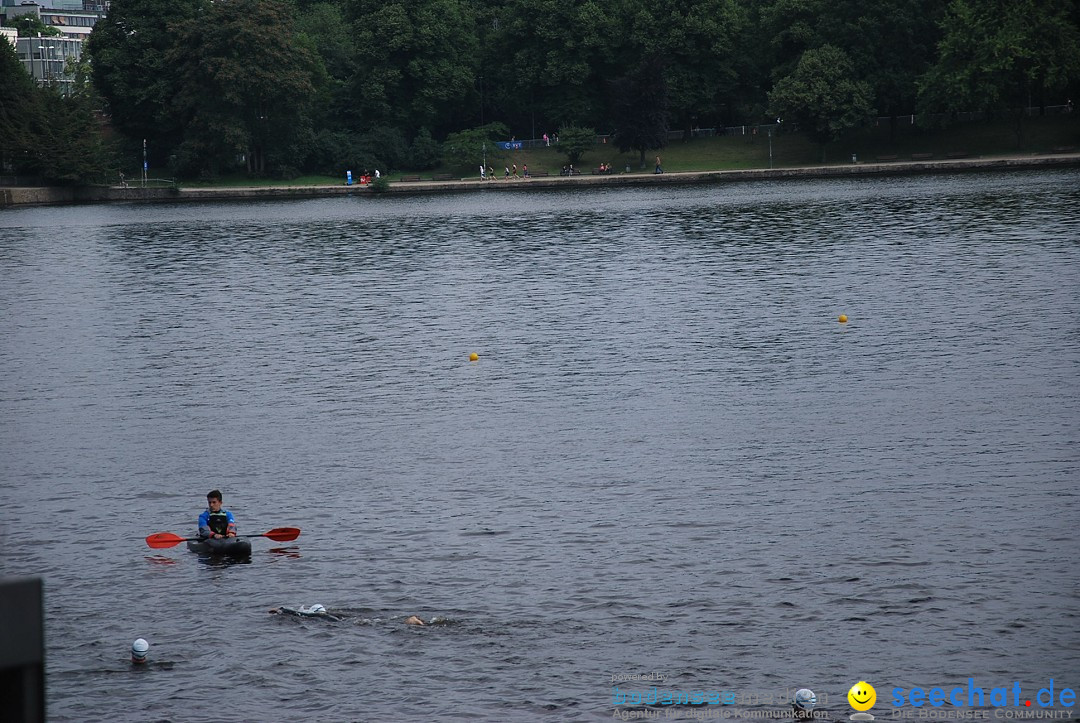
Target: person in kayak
{"x":214,"y":521}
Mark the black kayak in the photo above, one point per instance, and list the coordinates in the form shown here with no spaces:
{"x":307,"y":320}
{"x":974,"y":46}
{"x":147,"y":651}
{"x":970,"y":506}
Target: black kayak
{"x":230,"y":546}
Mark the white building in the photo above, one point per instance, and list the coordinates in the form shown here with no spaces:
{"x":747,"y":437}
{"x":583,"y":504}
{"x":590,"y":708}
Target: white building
{"x":48,"y":58}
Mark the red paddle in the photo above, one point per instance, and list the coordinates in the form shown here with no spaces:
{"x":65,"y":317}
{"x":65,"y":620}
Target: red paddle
{"x":160,"y":540}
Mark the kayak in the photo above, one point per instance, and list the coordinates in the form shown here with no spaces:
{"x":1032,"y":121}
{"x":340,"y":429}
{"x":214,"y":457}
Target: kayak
{"x":231,"y":546}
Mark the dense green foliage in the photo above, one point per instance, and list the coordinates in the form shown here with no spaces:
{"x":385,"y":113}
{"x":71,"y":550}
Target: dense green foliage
{"x":56,"y":138}
{"x":998,"y":55}
{"x":823,"y":95}
{"x":245,"y":87}
{"x":466,"y":147}
{"x":640,"y":107}
{"x":273,"y":87}
{"x":574,"y":141}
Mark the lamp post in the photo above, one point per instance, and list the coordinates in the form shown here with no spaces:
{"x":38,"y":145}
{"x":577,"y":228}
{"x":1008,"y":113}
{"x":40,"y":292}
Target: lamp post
{"x":41,"y":54}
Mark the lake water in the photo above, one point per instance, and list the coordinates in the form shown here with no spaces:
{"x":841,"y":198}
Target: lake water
{"x":670,"y":457}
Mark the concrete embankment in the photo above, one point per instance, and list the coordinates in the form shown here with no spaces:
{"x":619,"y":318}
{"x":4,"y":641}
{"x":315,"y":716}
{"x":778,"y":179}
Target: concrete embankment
{"x":23,"y":196}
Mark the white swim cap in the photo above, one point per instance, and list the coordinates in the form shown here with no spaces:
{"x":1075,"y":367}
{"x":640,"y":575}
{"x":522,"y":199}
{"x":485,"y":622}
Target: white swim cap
{"x":139,"y":649}
{"x":805,"y":699}
{"x":317,"y":609}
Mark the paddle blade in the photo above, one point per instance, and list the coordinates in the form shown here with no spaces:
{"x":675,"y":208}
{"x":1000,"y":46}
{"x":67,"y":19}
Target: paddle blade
{"x":283,"y":534}
{"x":159,"y":540}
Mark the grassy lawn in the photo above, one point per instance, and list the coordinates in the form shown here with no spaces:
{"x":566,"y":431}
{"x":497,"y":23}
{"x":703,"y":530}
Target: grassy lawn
{"x":244,"y":181}
{"x":734,"y":152}
{"x":744,"y":151}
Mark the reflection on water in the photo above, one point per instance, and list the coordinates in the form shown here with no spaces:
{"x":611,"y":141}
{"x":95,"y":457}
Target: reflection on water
{"x":669,"y":456}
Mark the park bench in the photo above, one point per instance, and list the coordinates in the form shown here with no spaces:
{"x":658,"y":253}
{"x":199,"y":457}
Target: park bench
{"x":921,"y":156}
{"x":891,"y":157}
{"x":1065,"y":149}
{"x":442,"y":177}
{"x":538,"y":174}
{"x":957,"y":154}
{"x":410,"y":178}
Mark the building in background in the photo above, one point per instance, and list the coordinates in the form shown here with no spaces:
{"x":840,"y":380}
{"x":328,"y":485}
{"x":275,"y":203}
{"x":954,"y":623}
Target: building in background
{"x":49,"y":59}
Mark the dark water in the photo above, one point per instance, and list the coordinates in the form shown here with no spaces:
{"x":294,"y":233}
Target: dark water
{"x":670,"y":456}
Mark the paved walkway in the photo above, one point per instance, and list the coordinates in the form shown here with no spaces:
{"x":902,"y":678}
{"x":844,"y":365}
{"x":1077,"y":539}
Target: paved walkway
{"x":19,"y":196}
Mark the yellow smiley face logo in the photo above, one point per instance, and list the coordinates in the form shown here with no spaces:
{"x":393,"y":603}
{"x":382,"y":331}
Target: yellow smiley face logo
{"x":862,"y":696}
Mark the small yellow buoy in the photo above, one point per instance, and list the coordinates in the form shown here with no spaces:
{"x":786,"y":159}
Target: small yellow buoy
{"x":843,"y":319}
{"x":474,"y":356}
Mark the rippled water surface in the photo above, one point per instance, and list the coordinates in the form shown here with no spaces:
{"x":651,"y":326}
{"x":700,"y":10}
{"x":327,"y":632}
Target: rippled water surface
{"x":670,"y":457}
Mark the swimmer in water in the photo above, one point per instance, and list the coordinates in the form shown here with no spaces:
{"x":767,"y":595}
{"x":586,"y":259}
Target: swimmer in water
{"x":305,"y":611}
{"x":320,"y":612}
{"x":803,"y":706}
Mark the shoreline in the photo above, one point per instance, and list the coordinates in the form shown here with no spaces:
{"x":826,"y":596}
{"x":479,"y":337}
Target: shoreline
{"x":23,"y":197}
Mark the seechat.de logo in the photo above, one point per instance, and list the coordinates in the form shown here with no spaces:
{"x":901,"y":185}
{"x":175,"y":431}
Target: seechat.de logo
{"x":975,"y":695}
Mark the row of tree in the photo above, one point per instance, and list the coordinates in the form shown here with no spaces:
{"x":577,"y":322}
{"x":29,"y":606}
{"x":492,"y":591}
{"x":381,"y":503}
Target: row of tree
{"x":280,"y":86}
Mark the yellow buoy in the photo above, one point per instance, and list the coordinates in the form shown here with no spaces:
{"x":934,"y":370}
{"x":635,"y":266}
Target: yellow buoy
{"x":843,"y":319}
{"x":474,"y":356}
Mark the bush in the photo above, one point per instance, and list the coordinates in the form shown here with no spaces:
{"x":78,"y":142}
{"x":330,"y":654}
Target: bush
{"x":380,"y":185}
{"x":330,"y":152}
{"x":425,"y":152}
{"x":383,"y":148}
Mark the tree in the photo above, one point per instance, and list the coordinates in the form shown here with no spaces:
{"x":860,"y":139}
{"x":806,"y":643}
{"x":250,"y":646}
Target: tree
{"x":132,"y":69}
{"x":55,"y":137}
{"x":382,"y":147}
{"x":245,"y":86}
{"x":574,"y":141}
{"x":21,"y":114}
{"x":72,"y":148}
{"x":999,"y":55}
{"x":415,"y":63}
{"x":324,"y":30}
{"x":424,"y":151}
{"x":894,"y":44}
{"x":890,"y":44}
{"x":640,"y":109}
{"x":697,"y":39}
{"x":822,"y":96}
{"x":467,"y":148}
{"x":548,"y":59}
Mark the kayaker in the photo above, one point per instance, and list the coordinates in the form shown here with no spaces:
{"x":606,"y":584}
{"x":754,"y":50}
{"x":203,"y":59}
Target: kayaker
{"x":214,"y":521}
